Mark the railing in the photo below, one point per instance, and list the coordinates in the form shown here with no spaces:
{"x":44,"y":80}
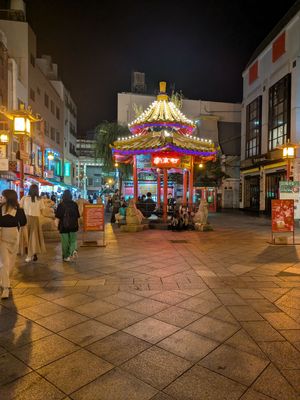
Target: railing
{"x":12,"y":15}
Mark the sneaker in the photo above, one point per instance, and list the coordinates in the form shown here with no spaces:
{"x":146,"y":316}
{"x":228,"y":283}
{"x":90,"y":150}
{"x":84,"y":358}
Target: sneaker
{"x":28,"y":259}
{"x":5,"y":293}
{"x":75,"y":254}
{"x":35,"y":258}
{"x":68,"y":259}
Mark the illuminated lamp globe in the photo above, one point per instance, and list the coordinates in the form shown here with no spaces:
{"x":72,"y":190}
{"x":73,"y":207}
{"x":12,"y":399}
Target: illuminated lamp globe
{"x":50,"y":156}
{"x":4,"y":138}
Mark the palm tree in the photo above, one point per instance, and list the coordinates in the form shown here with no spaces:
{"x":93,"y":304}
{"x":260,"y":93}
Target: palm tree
{"x":105,"y":134}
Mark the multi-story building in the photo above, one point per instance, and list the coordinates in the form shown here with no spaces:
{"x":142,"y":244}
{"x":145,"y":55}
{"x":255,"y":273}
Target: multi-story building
{"x":218,"y":121}
{"x":34,"y":82}
{"x":89,"y":167}
{"x":270,"y":113}
{"x":68,"y":116}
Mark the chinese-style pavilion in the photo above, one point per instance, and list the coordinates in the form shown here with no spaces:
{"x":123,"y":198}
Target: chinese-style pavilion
{"x":164,"y":132}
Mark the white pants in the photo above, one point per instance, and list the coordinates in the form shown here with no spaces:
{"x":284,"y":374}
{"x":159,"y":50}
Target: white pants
{"x":8,"y":252}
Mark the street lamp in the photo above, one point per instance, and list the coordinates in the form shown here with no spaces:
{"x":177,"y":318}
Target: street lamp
{"x":288,"y":153}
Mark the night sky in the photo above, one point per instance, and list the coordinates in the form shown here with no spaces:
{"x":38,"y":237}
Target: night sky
{"x":202,"y":47}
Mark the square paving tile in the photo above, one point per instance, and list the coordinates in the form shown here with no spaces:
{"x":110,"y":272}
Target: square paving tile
{"x":231,"y":299}
{"x":21,"y":302}
{"x":273,"y":384}
{"x":213,"y":328}
{"x":282,"y":354}
{"x":118,"y":347}
{"x":162,"y":396}
{"x":234,"y":364}
{"x":95,"y":308}
{"x":115,"y":385}
{"x":22,"y":334}
{"x":202,"y":384}
{"x":156,"y":367}
{"x":262,"y":331}
{"x":170,"y":297}
{"x":242,"y":341}
{"x":281,"y":321}
{"x":262,"y":305}
{"x":199,"y":305}
{"x":75,"y":370}
{"x":73,"y":300}
{"x":11,"y":368}
{"x":292,"y":335}
{"x":62,"y":320}
{"x":10,"y":321}
{"x":31,"y":387}
{"x":121,"y":299}
{"x":292,"y":376}
{"x":245,"y":313}
{"x":87,"y":332}
{"x":120,"y":318}
{"x":177,"y":316}
{"x":41,"y":310}
{"x":151,"y":330}
{"x":188,"y":345}
{"x":147,"y":306}
{"x":223,"y":314}
{"x":254,"y":395}
{"x":44,"y":351}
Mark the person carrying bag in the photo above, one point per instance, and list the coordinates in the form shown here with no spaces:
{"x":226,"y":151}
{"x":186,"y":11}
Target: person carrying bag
{"x":12,"y":218}
{"x":67,"y":215}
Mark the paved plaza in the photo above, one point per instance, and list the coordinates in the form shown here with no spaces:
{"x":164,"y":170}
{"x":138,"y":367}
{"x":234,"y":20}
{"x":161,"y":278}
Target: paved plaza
{"x":157,"y":315}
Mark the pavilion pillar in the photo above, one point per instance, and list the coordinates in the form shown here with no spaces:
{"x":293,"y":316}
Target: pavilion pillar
{"x":185,"y":184}
{"x":135,"y":180}
{"x":158,"y":188}
{"x":191,"y":184}
{"x":165,"y":205}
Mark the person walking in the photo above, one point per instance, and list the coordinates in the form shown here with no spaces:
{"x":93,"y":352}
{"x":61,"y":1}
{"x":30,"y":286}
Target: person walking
{"x":12,"y":217}
{"x":67,"y":214}
{"x":33,"y":206}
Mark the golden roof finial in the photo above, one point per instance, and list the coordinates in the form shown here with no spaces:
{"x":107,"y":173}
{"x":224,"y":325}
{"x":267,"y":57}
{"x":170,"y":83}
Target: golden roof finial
{"x":162,"y":91}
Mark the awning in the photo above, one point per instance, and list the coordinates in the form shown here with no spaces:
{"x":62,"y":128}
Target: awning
{"x":57,"y":183}
{"x":42,"y":181}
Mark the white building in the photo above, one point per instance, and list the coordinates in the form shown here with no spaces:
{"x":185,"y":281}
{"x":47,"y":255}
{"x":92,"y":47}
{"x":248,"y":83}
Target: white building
{"x":270,"y":113}
{"x":215,"y":120}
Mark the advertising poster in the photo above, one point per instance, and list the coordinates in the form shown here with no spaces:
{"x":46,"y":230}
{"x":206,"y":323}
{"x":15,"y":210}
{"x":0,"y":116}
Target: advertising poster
{"x":282,"y":216}
{"x":143,"y":161}
{"x":93,"y":217}
{"x":290,"y":190}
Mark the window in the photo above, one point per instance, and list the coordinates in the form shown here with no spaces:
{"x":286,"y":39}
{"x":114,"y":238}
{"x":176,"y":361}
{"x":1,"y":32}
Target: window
{"x":32,"y":94}
{"x":253,"y":128}
{"x":57,"y":137}
{"x":46,"y":100}
{"x":52,"y":133}
{"x":52,"y":107}
{"x":32,"y":60}
{"x":57,"y":113}
{"x":46,"y":128}
{"x":279,"y":112}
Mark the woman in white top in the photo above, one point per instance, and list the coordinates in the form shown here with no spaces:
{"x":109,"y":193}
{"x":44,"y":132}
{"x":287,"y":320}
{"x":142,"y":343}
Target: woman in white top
{"x":33,"y":206}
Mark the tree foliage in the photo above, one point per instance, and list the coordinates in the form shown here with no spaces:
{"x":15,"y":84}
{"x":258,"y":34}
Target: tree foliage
{"x":177,"y":99}
{"x":105,"y":134}
{"x":211,"y":175}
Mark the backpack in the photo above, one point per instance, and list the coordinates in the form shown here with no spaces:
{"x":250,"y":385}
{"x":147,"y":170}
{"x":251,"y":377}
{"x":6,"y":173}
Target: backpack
{"x":68,"y":221}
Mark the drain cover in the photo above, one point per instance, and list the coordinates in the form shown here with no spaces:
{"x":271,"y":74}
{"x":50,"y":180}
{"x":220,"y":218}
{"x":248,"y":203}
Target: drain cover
{"x":178,"y":241}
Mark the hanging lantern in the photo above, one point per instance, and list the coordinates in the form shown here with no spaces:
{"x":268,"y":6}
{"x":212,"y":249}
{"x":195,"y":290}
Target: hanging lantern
{"x":50,"y":156}
{"x":21,"y":126}
{"x":4,"y":138}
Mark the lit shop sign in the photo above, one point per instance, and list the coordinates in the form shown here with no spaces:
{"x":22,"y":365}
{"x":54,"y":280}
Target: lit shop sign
{"x":165,"y":161}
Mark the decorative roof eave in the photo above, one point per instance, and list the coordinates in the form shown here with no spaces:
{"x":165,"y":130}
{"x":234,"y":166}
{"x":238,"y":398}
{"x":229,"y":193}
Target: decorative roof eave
{"x":162,"y":112}
{"x":168,"y":147}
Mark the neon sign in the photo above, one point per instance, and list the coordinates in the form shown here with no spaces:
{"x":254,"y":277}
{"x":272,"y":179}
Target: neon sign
{"x":165,"y":160}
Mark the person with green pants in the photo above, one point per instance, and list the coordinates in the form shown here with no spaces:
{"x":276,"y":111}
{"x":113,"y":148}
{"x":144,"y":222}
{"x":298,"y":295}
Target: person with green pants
{"x":67,"y":214}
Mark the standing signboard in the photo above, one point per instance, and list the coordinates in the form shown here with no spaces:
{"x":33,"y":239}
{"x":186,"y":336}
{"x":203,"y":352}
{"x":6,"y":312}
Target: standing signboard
{"x":93,"y":221}
{"x":290,"y":190}
{"x":283,"y":217}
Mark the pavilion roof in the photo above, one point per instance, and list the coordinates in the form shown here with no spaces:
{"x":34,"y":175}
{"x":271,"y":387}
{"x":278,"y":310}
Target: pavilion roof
{"x":162,"y":141}
{"x":162,"y":113}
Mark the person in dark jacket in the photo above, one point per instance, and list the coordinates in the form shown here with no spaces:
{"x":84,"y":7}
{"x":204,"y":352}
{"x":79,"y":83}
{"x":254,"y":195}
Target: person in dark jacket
{"x":149,"y":206}
{"x":67,"y":214}
{"x":12,"y":217}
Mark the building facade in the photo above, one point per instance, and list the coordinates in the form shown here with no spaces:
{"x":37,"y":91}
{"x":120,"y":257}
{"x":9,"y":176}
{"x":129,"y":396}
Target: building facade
{"x":89,"y":168}
{"x":33,"y":82}
{"x":270,"y":113}
{"x":218,"y":121}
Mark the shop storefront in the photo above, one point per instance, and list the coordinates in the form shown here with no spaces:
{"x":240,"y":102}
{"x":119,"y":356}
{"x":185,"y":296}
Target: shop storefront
{"x":272,"y":188}
{"x":252,"y":192}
